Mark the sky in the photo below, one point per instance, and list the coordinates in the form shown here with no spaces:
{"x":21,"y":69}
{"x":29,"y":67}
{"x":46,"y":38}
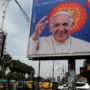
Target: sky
{"x":17,"y":29}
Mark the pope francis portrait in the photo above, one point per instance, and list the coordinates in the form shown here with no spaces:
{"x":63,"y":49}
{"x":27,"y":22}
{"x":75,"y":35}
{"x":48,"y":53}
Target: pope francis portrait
{"x":60,"y":41}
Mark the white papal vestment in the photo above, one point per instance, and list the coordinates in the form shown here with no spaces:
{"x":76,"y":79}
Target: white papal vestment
{"x":47,"y":45}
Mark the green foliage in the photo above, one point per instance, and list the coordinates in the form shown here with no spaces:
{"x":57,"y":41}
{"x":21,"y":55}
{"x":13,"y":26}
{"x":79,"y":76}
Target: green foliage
{"x":49,"y":79}
{"x":17,"y":68}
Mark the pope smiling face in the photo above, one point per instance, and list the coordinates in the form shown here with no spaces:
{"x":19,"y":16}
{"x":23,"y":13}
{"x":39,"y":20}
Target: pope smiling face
{"x":61,"y":25}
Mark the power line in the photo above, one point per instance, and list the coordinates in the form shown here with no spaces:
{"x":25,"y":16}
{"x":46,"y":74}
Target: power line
{"x":23,"y":12}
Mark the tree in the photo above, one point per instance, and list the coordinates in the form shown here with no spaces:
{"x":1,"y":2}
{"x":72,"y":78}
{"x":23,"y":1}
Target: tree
{"x":5,"y":61}
{"x":49,"y":79}
{"x":19,"y":68}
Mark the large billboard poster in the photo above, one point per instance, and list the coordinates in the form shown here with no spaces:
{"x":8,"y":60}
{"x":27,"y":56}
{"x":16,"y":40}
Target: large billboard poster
{"x":1,"y":43}
{"x":59,"y":28}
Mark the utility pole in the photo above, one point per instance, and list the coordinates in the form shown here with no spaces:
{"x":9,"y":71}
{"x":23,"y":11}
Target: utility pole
{"x":2,"y":34}
{"x":5,"y":4}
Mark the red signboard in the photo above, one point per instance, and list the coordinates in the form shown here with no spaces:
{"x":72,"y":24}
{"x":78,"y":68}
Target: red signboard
{"x":37,"y":0}
{"x":88,"y":2}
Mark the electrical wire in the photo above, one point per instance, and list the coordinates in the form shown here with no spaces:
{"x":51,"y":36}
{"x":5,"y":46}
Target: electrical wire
{"x":23,"y":12}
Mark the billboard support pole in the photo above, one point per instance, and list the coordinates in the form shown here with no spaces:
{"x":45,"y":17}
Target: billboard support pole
{"x":71,"y":70}
{"x":53,"y":72}
{"x":38,"y":74}
{"x":88,"y":70}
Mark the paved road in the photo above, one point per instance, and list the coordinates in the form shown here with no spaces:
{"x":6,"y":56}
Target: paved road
{"x":45,"y":89}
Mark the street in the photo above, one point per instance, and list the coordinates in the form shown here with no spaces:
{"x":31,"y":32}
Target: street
{"x":45,"y":89}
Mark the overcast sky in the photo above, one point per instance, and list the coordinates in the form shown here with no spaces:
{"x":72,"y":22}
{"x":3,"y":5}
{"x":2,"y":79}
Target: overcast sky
{"x":17,"y":30}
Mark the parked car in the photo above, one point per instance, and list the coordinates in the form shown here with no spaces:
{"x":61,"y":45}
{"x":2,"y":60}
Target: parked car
{"x":63,"y":87}
{"x":20,"y":86}
{"x":45,"y":85}
{"x":31,"y":84}
{"x":82,"y":86}
{"x":1,"y":86}
{"x":79,"y":86}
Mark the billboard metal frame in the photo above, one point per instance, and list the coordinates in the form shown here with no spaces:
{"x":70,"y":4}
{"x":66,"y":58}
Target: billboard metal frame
{"x":63,"y":57}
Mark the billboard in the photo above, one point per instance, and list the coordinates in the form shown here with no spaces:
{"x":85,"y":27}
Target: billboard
{"x":58,"y":79}
{"x":59,"y":28}
{"x":1,"y":43}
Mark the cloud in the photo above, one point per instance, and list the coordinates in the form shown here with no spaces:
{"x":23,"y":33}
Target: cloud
{"x":17,"y":30}
{"x":17,"y":38}
{"x":11,"y":28}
